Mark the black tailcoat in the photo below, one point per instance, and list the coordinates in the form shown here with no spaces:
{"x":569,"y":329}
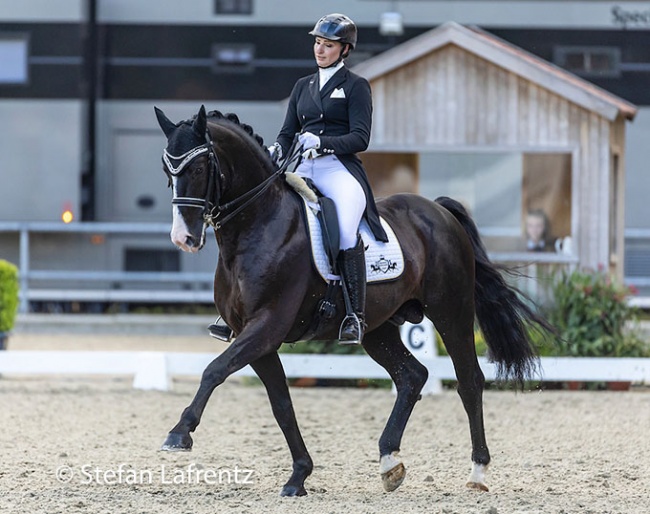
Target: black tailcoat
{"x":341,"y":116}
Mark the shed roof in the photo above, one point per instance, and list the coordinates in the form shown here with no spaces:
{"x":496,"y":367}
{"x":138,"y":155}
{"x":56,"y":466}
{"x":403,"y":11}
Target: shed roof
{"x":505,"y":55}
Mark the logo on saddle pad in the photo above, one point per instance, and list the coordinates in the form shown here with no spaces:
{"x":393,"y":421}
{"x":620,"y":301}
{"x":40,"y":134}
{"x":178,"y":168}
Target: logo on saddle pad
{"x":383,"y":265}
{"x":384,"y":261}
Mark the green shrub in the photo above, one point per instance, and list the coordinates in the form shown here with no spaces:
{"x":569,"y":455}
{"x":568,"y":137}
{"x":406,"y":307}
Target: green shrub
{"x":8,"y":295}
{"x":593,"y":317}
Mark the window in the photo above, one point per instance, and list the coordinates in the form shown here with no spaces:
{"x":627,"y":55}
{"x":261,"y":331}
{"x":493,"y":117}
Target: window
{"x":154,"y":259}
{"x":601,"y":61}
{"x":14,"y":54}
{"x":504,"y":192}
{"x":233,"y":7}
{"x":233,"y":58}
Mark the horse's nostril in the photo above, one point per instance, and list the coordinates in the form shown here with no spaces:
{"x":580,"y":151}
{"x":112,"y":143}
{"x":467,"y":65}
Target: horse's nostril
{"x":190,"y":241}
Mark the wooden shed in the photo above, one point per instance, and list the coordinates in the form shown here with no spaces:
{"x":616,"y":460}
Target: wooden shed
{"x":460,"y":112}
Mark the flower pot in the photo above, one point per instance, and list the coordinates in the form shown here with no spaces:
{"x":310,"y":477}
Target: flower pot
{"x":574,"y":385}
{"x":619,"y":386}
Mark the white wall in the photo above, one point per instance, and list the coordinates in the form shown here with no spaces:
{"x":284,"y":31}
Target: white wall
{"x":131,"y":127}
{"x":41,"y":10}
{"x":41,"y":160}
{"x":544,"y":13}
{"x":504,"y":13}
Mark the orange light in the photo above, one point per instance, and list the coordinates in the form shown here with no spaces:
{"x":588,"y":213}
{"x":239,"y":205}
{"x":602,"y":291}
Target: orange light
{"x":67,"y":216}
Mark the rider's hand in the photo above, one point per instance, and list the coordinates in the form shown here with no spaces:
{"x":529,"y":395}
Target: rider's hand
{"x":310,"y":144}
{"x":275,"y":151}
{"x":312,"y":153}
{"x":309,"y":141}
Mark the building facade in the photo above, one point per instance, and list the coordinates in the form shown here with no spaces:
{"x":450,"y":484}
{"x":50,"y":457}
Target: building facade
{"x":80,"y":78}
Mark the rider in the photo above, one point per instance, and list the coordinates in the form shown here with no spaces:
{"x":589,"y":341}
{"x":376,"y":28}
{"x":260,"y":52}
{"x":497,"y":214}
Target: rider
{"x":332,"y":111}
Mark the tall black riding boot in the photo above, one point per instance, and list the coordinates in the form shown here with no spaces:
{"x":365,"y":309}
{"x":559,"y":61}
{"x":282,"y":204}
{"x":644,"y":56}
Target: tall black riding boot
{"x":352,"y":266}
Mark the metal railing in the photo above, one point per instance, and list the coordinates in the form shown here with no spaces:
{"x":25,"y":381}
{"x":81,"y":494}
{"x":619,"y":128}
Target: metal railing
{"x":197,"y":285}
{"x":113,"y":293}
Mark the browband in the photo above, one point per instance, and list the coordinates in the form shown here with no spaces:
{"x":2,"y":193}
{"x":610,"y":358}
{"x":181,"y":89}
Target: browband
{"x":184,"y":159}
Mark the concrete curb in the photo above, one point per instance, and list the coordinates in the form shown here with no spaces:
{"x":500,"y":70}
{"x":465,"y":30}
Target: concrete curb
{"x":124,"y":324}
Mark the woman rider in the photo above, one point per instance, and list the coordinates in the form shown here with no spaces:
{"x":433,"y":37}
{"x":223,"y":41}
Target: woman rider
{"x":332,"y":111}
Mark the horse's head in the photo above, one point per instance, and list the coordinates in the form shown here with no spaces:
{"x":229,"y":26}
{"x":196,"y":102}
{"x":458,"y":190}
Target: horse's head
{"x":190,"y":165}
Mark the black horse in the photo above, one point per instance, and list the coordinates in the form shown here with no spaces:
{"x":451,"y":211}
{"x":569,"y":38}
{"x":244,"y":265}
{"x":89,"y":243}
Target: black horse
{"x":267,"y":290}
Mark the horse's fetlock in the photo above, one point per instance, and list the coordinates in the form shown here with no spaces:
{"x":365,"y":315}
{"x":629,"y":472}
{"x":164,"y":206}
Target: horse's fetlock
{"x":303,"y":466}
{"x":421,"y":376}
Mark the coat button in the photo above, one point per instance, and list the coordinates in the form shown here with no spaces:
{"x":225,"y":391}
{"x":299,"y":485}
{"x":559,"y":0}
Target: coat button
{"x":321,"y":115}
{"x":321,"y":131}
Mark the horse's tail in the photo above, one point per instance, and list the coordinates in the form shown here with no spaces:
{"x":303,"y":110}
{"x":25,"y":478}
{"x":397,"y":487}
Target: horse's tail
{"x":502,"y":315}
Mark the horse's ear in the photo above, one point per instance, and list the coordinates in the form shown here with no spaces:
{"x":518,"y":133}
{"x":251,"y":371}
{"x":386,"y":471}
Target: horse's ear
{"x":167,"y":125}
{"x":200,"y":122}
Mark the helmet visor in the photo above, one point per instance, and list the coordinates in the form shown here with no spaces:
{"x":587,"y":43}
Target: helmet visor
{"x":327,"y":29}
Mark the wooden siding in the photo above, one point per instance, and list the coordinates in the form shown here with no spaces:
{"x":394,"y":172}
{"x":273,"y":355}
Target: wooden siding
{"x":452,"y":97}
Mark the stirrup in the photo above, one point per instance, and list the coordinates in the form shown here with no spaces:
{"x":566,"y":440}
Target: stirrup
{"x":219,"y":330}
{"x":354,"y":319}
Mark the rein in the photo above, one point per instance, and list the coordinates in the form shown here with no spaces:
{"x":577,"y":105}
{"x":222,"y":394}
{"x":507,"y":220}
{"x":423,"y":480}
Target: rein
{"x":212,"y":211}
{"x":251,"y":195}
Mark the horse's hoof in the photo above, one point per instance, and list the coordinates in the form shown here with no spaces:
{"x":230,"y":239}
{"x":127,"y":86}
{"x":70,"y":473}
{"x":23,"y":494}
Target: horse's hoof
{"x":478,"y":486}
{"x":292,"y":490}
{"x":393,"y":479}
{"x":477,"y":477}
{"x":177,"y":443}
{"x":392,"y":471}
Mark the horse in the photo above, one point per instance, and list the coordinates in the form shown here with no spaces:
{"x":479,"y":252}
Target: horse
{"x":267,"y":290}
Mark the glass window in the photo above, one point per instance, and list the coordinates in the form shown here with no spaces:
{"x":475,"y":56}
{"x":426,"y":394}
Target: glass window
{"x":14,"y":54}
{"x":233,"y":57}
{"x":233,"y":7}
{"x":589,"y":61}
{"x":151,"y":259}
{"x":519,"y":201}
{"x":546,"y":192}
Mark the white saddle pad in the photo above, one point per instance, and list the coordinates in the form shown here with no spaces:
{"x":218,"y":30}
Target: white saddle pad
{"x":384,"y":261}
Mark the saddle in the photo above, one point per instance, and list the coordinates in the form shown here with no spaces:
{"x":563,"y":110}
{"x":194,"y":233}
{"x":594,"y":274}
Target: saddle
{"x":384,"y":261}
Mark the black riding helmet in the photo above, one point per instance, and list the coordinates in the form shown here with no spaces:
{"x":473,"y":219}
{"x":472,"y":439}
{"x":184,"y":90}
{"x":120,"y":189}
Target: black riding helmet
{"x":337,"y":27}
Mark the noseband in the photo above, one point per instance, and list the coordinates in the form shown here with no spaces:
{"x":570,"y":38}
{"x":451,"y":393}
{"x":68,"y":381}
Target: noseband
{"x":211,"y":210}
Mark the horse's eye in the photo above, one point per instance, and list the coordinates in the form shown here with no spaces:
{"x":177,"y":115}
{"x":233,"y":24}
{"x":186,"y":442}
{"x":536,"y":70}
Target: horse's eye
{"x":197,"y":171}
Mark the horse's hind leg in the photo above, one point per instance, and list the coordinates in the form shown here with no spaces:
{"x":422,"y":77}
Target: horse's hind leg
{"x":269,"y":369}
{"x":384,"y":345}
{"x":459,"y":341}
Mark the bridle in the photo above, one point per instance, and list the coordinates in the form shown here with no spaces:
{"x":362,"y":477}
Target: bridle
{"x":211,"y":210}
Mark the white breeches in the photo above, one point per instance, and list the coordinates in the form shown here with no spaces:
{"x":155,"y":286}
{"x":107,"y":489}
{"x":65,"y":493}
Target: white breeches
{"x":336,"y":182}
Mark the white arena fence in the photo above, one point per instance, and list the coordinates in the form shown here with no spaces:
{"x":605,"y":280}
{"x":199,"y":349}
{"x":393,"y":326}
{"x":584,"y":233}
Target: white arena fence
{"x":155,"y":370}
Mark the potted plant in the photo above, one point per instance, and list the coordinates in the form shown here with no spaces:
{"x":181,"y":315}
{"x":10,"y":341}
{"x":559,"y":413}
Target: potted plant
{"x":593,"y":317}
{"x":8,"y":299}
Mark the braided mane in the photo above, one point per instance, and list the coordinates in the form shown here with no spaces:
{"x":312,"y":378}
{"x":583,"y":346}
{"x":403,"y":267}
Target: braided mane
{"x":217,"y":116}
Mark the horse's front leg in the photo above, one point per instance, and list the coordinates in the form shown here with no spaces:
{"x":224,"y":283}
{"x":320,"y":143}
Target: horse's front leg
{"x":251,"y":344}
{"x":269,"y":369}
